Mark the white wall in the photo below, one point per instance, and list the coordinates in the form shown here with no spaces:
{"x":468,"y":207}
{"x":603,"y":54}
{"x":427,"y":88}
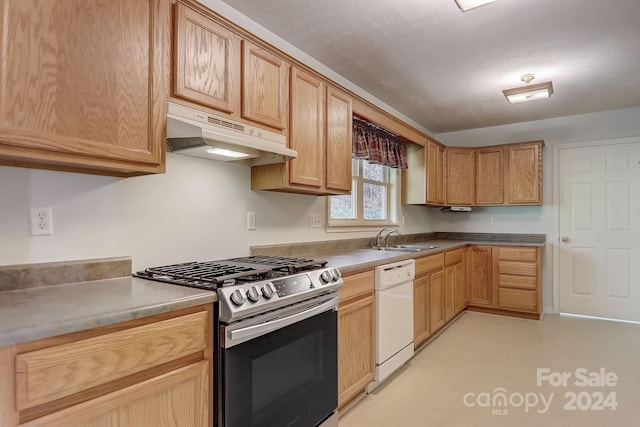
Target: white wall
{"x":571,"y":129}
{"x":196,"y":211}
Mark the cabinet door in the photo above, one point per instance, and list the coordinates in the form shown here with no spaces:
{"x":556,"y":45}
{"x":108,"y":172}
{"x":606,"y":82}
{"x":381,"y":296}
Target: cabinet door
{"x":435,"y":174}
{"x":436,"y":301}
{"x":265,"y":86}
{"x":480,"y":276}
{"x":207,"y":61}
{"x":460,"y":293}
{"x":356,"y":347}
{"x":420,"y":310}
{"x":180,"y":397}
{"x":83,"y":85}
{"x":339,"y":135}
{"x":524,"y":174}
{"x":449,"y":296}
{"x":490,"y":176}
{"x":460,"y":176}
{"x":306,"y":134}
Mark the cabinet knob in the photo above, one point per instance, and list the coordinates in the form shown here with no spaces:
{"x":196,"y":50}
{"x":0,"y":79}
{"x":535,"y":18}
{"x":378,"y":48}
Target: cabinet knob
{"x":565,"y":239}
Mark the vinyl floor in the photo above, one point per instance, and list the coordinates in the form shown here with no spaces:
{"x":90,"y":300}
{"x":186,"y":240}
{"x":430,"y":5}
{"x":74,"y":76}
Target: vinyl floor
{"x":488,"y":370}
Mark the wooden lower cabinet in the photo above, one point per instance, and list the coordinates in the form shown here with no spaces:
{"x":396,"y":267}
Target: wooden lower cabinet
{"x":517,"y":278}
{"x":145,"y":372}
{"x":437,"y":318}
{"x":455,"y":283}
{"x":429,"y":272}
{"x":420,"y":310}
{"x":506,"y":280}
{"x":356,"y":336}
{"x":178,"y":397}
{"x":480,"y":287}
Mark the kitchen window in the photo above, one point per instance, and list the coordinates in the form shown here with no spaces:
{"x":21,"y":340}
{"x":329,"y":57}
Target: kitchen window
{"x":373,"y":200}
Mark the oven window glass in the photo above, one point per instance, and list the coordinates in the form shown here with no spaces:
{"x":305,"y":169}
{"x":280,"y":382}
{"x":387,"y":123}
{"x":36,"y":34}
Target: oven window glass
{"x":285,"y":378}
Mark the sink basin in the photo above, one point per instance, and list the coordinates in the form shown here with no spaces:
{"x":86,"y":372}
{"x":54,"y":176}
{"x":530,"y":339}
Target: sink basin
{"x":422,"y":247}
{"x":405,"y":248}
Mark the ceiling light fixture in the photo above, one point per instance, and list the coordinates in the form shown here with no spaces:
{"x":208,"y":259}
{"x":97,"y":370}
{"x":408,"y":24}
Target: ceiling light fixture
{"x":528,"y":92}
{"x":465,"y":5}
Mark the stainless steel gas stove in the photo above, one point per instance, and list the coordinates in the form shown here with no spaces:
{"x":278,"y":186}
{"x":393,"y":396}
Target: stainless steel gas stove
{"x":277,"y":335}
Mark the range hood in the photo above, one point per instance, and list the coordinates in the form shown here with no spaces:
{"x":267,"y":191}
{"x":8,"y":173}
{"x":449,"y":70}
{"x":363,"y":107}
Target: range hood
{"x":199,"y":134}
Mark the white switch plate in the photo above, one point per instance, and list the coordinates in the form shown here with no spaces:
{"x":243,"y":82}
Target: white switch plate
{"x":541,"y":220}
{"x":490,"y":220}
{"x":315,"y":220}
{"x":251,"y":220}
{"x":41,"y":221}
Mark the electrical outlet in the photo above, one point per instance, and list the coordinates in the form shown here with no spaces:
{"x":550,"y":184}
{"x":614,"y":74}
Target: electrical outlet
{"x":490,"y":220}
{"x":541,"y":220}
{"x":251,"y":220}
{"x":41,"y":221}
{"x":315,"y":220}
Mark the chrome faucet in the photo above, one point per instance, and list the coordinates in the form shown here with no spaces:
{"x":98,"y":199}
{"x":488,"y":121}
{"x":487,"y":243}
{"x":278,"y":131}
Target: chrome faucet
{"x":384,"y":238}
{"x":379,"y":236}
{"x":389,"y":233}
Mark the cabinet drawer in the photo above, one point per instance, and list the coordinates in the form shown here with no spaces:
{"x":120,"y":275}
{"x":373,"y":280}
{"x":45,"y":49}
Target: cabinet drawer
{"x":518,"y":299}
{"x":356,"y":285}
{"x":429,"y":263}
{"x":517,"y":268}
{"x":521,"y":282}
{"x":518,"y":254}
{"x":59,"y":371}
{"x":453,"y":257}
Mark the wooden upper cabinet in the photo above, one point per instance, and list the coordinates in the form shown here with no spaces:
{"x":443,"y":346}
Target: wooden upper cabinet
{"x":206,"y":62}
{"x":524,"y":173}
{"x":83,"y":85}
{"x":490,"y":176}
{"x":320,"y":130}
{"x":460,"y":176}
{"x":423,"y":181}
{"x":435,"y":174}
{"x":306,"y":134}
{"x":338,"y":140}
{"x":265,"y":86}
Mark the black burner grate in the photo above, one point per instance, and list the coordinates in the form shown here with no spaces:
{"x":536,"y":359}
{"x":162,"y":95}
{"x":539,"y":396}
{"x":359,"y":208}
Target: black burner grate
{"x":213,"y":274}
{"x":207,"y":275}
{"x":289,"y":265}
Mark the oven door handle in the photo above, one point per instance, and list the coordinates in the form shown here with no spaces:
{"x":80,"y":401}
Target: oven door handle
{"x":239,"y":336}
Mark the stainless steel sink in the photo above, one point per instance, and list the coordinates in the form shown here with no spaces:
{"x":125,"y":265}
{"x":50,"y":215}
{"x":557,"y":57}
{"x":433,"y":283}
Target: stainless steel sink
{"x":423,"y":247}
{"x":405,"y":248}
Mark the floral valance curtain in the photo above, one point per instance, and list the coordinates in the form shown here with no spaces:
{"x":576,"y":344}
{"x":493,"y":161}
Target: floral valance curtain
{"x":378,"y":145}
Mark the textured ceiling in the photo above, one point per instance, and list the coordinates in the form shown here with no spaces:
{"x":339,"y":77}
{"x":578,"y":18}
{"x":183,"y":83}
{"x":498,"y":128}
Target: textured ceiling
{"x":446,"y":69}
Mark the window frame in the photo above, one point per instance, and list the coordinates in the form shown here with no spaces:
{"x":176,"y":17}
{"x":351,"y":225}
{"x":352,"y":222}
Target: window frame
{"x":392,"y":184}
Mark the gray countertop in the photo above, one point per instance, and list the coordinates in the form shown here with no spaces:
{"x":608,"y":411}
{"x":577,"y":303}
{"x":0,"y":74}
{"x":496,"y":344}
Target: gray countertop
{"x":47,"y":311}
{"x":363,"y":259}
{"x":32,"y":313}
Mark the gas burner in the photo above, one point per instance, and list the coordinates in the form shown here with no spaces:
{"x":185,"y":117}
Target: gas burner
{"x":215,"y":274}
{"x":283,"y":264}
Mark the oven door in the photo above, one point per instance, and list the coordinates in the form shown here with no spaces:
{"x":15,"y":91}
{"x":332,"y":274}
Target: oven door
{"x":282,"y":369}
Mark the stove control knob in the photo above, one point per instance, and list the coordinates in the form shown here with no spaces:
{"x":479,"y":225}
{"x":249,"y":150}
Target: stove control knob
{"x":336,"y":274}
{"x":326,"y":276}
{"x":253,"y":293}
{"x":268,"y":291}
{"x":238,"y":297}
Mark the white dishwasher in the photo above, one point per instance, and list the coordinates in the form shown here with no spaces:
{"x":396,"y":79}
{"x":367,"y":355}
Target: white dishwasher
{"x":394,"y":318}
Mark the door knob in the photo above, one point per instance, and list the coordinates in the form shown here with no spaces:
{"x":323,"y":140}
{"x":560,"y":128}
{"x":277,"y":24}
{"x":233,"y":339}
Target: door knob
{"x":565,"y":239}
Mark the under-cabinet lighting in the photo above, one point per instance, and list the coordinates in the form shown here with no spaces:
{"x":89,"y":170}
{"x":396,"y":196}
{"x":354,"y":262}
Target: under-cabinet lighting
{"x":228,"y":153}
{"x":465,"y":5}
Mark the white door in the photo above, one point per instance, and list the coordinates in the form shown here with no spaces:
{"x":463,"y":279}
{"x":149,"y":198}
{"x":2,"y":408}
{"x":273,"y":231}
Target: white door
{"x":600,"y":231}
